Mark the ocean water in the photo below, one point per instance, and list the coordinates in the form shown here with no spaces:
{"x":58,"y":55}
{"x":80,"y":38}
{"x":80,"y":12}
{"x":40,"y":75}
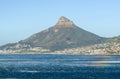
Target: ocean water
{"x":53,"y":66}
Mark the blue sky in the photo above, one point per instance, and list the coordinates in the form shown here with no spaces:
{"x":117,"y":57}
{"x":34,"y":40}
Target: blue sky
{"x":21,"y":18}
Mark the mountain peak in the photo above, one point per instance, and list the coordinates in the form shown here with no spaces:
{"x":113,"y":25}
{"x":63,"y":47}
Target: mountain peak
{"x":62,"y":36}
{"x":64,"y":22}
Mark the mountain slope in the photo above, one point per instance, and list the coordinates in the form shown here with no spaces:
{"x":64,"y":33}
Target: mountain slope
{"x":64,"y":34}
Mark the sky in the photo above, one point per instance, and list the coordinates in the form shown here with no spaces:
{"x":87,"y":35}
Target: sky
{"x":20,"y":19}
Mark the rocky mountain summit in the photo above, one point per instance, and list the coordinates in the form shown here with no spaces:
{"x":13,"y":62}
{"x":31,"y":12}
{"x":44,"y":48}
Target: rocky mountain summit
{"x":64,"y":23}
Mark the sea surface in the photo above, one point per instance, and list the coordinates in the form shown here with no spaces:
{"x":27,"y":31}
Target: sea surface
{"x":54,"y":66}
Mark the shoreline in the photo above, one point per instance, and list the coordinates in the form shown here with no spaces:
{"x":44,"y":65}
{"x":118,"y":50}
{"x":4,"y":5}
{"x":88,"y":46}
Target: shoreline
{"x":61,"y":54}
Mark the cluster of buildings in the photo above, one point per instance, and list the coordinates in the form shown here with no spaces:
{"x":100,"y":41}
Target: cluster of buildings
{"x":105,"y":49}
{"x":18,"y":48}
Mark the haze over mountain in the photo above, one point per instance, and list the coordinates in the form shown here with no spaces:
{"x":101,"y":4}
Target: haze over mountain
{"x":64,"y":34}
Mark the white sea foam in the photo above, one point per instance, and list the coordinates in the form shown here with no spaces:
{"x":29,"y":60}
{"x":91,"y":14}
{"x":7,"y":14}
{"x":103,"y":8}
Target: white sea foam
{"x":28,"y":71}
{"x":106,"y":62}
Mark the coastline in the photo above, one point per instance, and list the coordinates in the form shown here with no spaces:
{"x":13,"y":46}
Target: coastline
{"x":51,"y":53}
